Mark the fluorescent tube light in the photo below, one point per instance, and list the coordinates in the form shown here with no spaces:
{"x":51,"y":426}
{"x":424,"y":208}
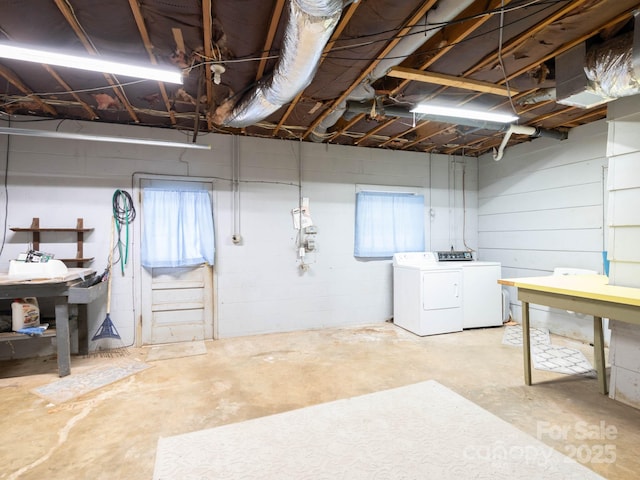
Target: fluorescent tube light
{"x":458,"y":112}
{"x":94,"y":64}
{"x":25,"y":132}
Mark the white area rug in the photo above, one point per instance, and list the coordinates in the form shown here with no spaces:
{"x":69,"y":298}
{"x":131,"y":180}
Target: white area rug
{"x":421,"y":431}
{"x":176,"y":350}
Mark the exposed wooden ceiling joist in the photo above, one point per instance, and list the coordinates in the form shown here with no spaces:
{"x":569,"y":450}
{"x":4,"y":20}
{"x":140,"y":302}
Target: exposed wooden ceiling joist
{"x":444,"y":40}
{"x":19,"y":84}
{"x":65,"y":9}
{"x":137,"y":15}
{"x":449,"y":81}
{"x":385,"y":51}
{"x":273,"y":28}
{"x":207,"y":20}
{"x":517,"y":42}
{"x":461,"y":62}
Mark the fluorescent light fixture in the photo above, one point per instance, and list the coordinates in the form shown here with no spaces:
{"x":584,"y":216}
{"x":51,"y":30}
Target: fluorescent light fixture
{"x":458,"y":112}
{"x":94,"y":64}
{"x":25,"y":132}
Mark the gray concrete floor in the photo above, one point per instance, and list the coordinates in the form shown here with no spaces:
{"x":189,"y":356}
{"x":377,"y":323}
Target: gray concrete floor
{"x":112,"y":433}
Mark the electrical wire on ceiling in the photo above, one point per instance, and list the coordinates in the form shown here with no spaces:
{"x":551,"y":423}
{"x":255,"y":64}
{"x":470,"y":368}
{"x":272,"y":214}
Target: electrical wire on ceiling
{"x":124,"y":213}
{"x":81,"y":90}
{"x":499,"y":11}
{"x":501,"y":61}
{"x":470,"y":38}
{"x":274,"y":54}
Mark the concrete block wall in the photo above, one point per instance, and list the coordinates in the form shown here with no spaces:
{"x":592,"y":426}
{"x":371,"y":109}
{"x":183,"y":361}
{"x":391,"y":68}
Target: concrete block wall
{"x":259,"y":287}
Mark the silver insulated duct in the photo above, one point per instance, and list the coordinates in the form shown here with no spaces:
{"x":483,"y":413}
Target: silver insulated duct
{"x":311,"y":24}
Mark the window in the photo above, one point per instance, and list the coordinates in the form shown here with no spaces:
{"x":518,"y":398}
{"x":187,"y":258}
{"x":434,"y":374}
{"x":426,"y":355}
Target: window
{"x":178,"y":228}
{"x":387,"y":223}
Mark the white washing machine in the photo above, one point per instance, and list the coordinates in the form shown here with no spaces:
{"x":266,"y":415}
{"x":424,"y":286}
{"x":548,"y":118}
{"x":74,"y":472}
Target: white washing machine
{"x":481,"y":293}
{"x":427,"y":295}
{"x":442,"y":292}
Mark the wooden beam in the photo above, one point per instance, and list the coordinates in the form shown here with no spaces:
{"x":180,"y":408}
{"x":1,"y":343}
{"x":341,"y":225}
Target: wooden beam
{"x":451,"y":35}
{"x":207,"y":20}
{"x":526,"y":36}
{"x":509,"y":47}
{"x":70,"y":16}
{"x":273,"y":28}
{"x":402,"y":134}
{"x":16,"y":82}
{"x":567,"y":46}
{"x":450,"y":81}
{"x":86,"y":107}
{"x":426,"y":137}
{"x":553,"y":54}
{"x":144,"y":34}
{"x":345,"y":128}
{"x":375,"y":130}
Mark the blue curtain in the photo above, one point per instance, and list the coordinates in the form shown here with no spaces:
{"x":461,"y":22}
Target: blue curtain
{"x":178,"y":228}
{"x":387,"y":223}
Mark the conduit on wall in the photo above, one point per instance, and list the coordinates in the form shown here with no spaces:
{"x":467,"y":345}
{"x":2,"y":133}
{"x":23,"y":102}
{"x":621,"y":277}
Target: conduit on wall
{"x":311,"y":23}
{"x":236,"y":237}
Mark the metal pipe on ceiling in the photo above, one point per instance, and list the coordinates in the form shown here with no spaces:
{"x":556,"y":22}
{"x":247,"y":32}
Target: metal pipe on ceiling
{"x":353,"y":108}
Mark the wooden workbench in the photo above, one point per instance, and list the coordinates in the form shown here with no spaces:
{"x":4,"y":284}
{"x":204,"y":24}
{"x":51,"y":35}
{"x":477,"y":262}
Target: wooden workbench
{"x":588,"y":294}
{"x":73,"y":288}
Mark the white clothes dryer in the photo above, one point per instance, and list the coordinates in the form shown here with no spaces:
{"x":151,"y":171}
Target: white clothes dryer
{"x":427,"y":294}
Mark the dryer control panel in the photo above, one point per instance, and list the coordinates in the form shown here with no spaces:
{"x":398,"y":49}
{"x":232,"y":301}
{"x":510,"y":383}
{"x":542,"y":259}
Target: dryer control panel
{"x":454,"y":256}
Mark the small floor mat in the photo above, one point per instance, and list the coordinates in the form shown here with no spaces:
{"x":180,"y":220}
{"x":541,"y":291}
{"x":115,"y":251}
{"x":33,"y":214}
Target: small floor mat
{"x":513,"y":336}
{"x":544,"y":356}
{"x":75,"y":385}
{"x":555,"y":358}
{"x":176,"y":350}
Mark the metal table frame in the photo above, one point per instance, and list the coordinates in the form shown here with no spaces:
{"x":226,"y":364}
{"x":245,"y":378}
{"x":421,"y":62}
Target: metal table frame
{"x":599,"y":300}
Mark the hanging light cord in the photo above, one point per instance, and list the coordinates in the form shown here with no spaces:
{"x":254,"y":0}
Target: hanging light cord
{"x":123,"y":214}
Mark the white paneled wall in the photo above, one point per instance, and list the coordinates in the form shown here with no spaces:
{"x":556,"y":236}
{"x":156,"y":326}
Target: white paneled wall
{"x":624,"y":241}
{"x":543,"y":206}
{"x":259,"y":285}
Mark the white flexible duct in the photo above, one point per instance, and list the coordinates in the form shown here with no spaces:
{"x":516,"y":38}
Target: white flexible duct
{"x":445,"y":11}
{"x":521,"y":129}
{"x":311,"y":23}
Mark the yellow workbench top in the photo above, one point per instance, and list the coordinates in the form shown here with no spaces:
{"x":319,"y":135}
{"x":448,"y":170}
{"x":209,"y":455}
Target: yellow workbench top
{"x":584,"y":286}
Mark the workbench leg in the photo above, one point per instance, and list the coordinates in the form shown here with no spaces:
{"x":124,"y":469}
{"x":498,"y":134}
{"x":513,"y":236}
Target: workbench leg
{"x":62,"y":336}
{"x":598,"y":353}
{"x":83,"y":333}
{"x":526,"y":343}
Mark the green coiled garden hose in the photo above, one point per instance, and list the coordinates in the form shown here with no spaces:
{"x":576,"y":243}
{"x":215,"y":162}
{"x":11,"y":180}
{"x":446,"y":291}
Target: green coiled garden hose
{"x":123,"y":214}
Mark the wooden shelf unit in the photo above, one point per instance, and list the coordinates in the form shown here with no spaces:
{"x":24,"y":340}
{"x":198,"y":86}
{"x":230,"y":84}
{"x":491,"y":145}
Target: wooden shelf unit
{"x":35,"y":229}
